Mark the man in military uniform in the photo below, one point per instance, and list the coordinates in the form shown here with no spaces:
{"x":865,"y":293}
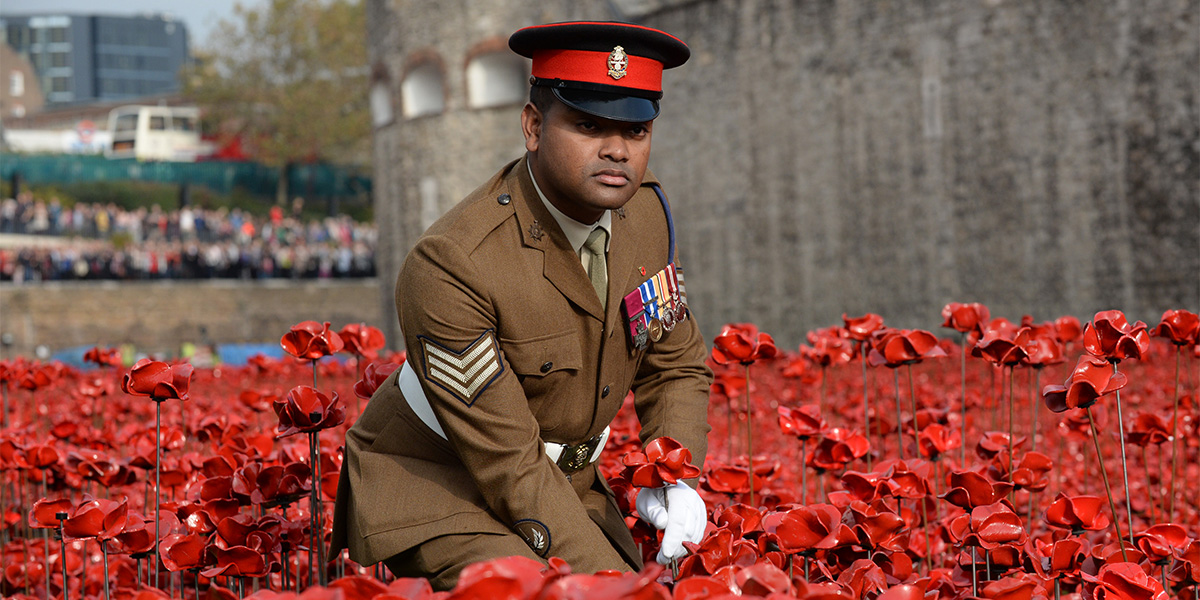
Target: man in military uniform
{"x":529,"y":311}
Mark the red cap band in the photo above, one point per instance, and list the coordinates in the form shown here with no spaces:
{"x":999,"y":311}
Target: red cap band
{"x":592,"y":67}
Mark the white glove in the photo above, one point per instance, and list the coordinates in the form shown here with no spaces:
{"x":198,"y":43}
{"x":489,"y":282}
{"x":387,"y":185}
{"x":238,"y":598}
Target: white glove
{"x":682,"y":514}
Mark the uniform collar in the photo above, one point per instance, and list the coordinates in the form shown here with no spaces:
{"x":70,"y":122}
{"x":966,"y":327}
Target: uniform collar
{"x":576,"y":232}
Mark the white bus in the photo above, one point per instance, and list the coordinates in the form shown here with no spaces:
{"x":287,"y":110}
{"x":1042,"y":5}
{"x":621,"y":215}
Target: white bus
{"x":155,"y":133}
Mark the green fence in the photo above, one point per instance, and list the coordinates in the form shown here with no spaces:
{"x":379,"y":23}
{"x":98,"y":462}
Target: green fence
{"x":309,"y":180}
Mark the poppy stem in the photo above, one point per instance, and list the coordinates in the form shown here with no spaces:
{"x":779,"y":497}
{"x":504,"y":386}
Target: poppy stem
{"x":962,"y":451}
{"x":62,"y":555}
{"x":1124,"y":466}
{"x":1033,"y":406}
{"x":322,"y":564}
{"x":974,"y":574}
{"x":157,"y":474}
{"x":899,"y":416}
{"x":803,"y":473}
{"x":862,"y":346}
{"x":1175,"y":435}
{"x":1057,"y":589}
{"x":312,"y":500}
{"x":749,"y":436}
{"x":1116,"y":521}
{"x":104,"y":550}
{"x":1012,"y":440}
{"x":912,"y":392}
{"x":928,"y":544}
{"x":46,"y":548}
{"x":824,"y":380}
{"x":1149,"y":488}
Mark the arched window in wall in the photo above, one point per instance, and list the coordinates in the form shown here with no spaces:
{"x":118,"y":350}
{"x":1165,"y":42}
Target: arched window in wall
{"x":381,"y":96}
{"x":496,"y":76}
{"x":423,"y":91}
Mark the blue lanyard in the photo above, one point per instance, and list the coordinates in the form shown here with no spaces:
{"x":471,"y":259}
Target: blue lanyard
{"x":670,"y":223}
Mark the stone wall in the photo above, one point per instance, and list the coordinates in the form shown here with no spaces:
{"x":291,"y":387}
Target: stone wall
{"x":824,"y":156}
{"x":159,"y":316}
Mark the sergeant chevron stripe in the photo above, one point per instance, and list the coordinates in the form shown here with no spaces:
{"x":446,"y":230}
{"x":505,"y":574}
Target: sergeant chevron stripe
{"x":464,"y":374}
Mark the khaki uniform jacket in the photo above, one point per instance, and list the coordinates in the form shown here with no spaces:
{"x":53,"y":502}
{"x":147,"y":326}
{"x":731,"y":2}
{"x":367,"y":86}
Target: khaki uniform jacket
{"x":497,"y":273}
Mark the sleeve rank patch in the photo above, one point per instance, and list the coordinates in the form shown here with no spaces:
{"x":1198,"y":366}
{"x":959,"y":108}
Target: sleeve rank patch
{"x":466,"y":373}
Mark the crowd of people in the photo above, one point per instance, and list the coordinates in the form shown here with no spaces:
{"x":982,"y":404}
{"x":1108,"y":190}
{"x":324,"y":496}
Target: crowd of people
{"x":97,"y":242}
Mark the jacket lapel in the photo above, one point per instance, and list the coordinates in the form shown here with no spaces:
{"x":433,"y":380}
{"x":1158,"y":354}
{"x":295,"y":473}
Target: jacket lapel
{"x":540,"y":231}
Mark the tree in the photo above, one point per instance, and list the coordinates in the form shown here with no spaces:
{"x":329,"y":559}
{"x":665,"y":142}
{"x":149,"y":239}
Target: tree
{"x":290,"y":79}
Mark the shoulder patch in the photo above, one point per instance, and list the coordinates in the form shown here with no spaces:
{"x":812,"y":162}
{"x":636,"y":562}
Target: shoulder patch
{"x":535,"y":534}
{"x":466,"y":373}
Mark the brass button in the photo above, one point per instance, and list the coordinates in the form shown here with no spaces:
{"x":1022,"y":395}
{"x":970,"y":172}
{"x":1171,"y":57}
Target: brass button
{"x":604,"y":392}
{"x":547,"y":366}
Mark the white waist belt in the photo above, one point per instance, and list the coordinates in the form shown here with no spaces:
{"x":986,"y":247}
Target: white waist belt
{"x":410,"y":386}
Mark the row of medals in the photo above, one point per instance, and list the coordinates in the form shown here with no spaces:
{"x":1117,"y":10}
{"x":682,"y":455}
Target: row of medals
{"x":671,"y":313}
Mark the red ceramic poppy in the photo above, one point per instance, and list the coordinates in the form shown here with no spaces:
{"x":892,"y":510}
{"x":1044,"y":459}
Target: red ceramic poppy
{"x":158,"y":380}
{"x":1003,"y":343}
{"x":739,"y":518}
{"x":1077,"y":513}
{"x":718,"y":549}
{"x":936,"y":440}
{"x":664,"y":462}
{"x":1124,"y":581}
{"x":35,"y":378}
{"x":874,"y":526}
{"x":837,"y":449}
{"x":361,"y":339}
{"x":45,"y":511}
{"x":373,"y":376}
{"x":1111,"y":337}
{"x":870,"y":486}
{"x":357,"y":587}
{"x":311,"y":340}
{"x":699,"y":587}
{"x":811,"y":527}
{"x":763,"y":579}
{"x":803,"y":422}
{"x":104,"y":357}
{"x":512,"y":577}
{"x":1043,"y":347}
{"x":965,"y":318}
{"x":39,"y":456}
{"x":1056,"y":559}
{"x":182,"y":551}
{"x":1030,"y":473}
{"x":829,"y":347}
{"x":96,"y":519}
{"x":1068,"y":329}
{"x":742,"y":343}
{"x":1160,"y":542}
{"x":1021,"y":586}
{"x":861,"y":328}
{"x":896,"y":347}
{"x":1181,"y":327}
{"x":969,"y":490}
{"x":904,"y":591}
{"x":864,"y":578}
{"x":1148,"y":428}
{"x":1091,"y":379}
{"x":725,"y":479}
{"x":238,"y":561}
{"x":306,"y":409}
{"x":996,"y":525}
{"x":136,"y":538}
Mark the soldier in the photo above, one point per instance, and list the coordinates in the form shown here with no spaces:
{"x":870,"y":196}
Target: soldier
{"x":529,"y":311}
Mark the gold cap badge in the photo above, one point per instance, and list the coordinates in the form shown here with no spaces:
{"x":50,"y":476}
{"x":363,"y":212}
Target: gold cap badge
{"x":617,"y":61}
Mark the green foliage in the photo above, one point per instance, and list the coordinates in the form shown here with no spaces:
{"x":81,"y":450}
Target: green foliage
{"x":289,"y":77}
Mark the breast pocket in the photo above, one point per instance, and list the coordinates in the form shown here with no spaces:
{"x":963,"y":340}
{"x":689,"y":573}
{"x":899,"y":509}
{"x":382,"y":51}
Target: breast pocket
{"x":548,"y":368}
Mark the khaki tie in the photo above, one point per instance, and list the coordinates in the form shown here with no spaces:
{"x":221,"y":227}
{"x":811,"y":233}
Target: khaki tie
{"x":597,"y":269}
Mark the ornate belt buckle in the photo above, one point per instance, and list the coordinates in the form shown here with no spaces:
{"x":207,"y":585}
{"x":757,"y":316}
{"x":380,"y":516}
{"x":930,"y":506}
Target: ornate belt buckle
{"x":577,"y":456}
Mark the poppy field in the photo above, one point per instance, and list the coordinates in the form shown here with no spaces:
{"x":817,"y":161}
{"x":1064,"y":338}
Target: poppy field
{"x":993,"y":458}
